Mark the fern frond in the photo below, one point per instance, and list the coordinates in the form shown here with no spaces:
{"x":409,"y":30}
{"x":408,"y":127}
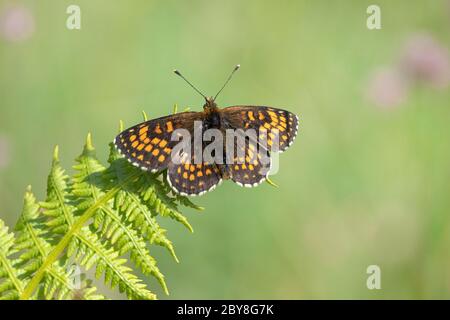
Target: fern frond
{"x":34,"y":247}
{"x":88,"y":185}
{"x":87,"y":248}
{"x":57,"y":206}
{"x":155,"y":195}
{"x":11,"y":286}
{"x":130,"y":204}
{"x":97,"y":219}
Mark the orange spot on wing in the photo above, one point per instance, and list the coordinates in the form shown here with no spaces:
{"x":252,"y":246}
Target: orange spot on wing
{"x":143,"y":130}
{"x":250,"y":116}
{"x":274,"y":119}
{"x":163,"y":143}
{"x":156,"y":140}
{"x":133,"y":137}
{"x":169,"y":126}
{"x":148,"y":148}
{"x":140,"y":147}
{"x":140,"y":157}
{"x":135,"y":144}
{"x":155,"y":152}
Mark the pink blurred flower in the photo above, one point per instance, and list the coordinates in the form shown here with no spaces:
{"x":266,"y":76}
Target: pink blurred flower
{"x":387,"y":88}
{"x":16,"y":23}
{"x":4,"y":152}
{"x":426,"y":60}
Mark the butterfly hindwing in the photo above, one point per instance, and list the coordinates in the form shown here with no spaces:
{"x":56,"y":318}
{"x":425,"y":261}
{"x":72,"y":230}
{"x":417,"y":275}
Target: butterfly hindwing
{"x":148,"y":145}
{"x":271,"y":124}
{"x":251,"y":164}
{"x":188,"y":178}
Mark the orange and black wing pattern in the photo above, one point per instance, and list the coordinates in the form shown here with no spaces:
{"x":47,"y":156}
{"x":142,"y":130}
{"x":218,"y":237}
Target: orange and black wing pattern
{"x":148,"y":145}
{"x":190,"y":179}
{"x":271,"y":124}
{"x":251,"y":165}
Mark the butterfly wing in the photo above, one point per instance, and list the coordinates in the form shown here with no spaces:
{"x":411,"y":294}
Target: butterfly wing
{"x":251,"y":165}
{"x":190,"y":179}
{"x":149,"y":144}
{"x":270,"y":124}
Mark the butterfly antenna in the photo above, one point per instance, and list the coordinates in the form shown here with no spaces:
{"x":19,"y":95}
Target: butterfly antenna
{"x":236,"y":68}
{"x":180,"y":75}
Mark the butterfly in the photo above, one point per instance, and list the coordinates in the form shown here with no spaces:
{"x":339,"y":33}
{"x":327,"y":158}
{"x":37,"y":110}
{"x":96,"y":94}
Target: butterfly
{"x":151,"y":146}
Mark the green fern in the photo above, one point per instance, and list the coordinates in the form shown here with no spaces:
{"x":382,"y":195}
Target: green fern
{"x":11,"y":284}
{"x":101,"y":217}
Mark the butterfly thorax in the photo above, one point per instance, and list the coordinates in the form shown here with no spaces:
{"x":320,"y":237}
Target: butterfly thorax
{"x":212,"y":116}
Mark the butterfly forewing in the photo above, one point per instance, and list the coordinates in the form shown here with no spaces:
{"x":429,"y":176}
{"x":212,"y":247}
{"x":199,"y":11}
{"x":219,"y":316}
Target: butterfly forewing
{"x":275,"y":128}
{"x":148,"y":145}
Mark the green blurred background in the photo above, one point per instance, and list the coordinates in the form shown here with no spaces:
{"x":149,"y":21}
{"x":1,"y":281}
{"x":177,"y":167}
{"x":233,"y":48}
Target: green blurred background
{"x":366,"y":182}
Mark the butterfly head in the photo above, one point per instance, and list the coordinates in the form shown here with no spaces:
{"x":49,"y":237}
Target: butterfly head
{"x":210,"y":104}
